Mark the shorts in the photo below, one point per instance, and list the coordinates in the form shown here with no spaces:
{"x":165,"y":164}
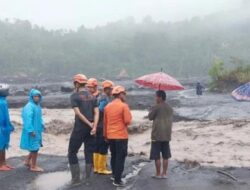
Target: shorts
{"x":34,"y":151}
{"x":158,"y":148}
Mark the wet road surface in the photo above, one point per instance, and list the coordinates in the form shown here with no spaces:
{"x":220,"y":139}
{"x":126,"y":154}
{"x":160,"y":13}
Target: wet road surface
{"x":197,"y":178}
{"x":181,"y":177}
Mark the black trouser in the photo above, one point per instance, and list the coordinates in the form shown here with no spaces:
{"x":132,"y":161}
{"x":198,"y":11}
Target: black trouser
{"x":119,"y":149}
{"x":77,"y":138}
{"x":101,"y":145}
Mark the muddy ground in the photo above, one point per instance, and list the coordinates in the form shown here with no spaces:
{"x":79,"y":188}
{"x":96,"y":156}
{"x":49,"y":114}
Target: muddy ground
{"x":57,"y":176}
{"x":188,"y":176}
{"x":212,"y":114}
{"x":187,"y":106}
{"x":183,"y":176}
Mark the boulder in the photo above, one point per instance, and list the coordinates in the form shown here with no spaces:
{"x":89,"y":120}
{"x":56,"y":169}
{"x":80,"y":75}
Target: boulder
{"x":67,"y":88}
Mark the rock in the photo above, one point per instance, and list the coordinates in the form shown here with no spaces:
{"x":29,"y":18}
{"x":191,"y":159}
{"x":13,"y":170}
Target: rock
{"x":17,"y":125}
{"x":67,"y":88}
{"x":131,"y":154}
{"x":4,"y":92}
{"x":51,"y":101}
{"x":55,"y":88}
{"x":123,"y":75}
{"x":42,"y":89}
{"x":139,"y":128}
{"x":57,"y":127}
{"x":19,"y":92}
{"x":142,"y":153}
{"x":191,"y":163}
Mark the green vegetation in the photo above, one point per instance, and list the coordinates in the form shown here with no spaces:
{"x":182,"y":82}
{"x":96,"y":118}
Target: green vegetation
{"x":227,"y":79}
{"x":182,"y":49}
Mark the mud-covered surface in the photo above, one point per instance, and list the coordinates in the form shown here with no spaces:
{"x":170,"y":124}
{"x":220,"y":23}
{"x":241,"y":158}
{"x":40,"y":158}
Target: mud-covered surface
{"x":21,"y":177}
{"x":57,"y":176}
{"x":182,"y":176}
{"x":211,"y":106}
{"x":187,"y":106}
{"x":57,"y":95}
{"x":217,"y":136}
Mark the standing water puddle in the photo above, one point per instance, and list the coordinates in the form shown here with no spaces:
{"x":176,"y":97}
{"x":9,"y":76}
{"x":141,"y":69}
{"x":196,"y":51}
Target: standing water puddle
{"x":50,"y":181}
{"x":58,"y":180}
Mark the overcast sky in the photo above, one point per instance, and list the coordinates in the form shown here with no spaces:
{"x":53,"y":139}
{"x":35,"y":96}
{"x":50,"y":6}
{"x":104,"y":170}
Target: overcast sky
{"x":90,"y":13}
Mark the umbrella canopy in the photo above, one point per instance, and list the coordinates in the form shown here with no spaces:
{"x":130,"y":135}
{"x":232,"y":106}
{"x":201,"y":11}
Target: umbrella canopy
{"x":242,"y":93}
{"x":159,"y":81}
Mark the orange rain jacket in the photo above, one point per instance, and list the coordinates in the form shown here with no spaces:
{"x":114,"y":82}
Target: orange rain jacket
{"x":117,"y":117}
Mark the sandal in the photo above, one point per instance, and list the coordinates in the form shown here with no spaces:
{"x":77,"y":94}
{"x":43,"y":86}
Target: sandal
{"x":5,"y":168}
{"x":9,"y":166}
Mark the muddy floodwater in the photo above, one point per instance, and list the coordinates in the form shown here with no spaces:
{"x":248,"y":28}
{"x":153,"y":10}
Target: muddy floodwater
{"x":210,"y":145}
{"x":187,"y":105}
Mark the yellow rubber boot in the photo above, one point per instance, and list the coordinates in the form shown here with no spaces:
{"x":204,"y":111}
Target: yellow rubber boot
{"x":102,"y":163}
{"x":95,"y":162}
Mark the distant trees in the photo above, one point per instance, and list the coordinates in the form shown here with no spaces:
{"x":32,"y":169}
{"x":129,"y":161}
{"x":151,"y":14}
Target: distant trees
{"x":217,"y":70}
{"x":227,"y":79}
{"x":182,"y":49}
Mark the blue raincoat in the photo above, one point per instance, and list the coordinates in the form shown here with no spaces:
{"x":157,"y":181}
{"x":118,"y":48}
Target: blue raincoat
{"x":32,"y":122}
{"x":103,"y":101}
{"x":5,"y":125}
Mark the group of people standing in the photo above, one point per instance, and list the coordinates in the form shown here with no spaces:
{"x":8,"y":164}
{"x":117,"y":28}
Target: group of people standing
{"x":33,"y":126}
{"x":101,"y":124}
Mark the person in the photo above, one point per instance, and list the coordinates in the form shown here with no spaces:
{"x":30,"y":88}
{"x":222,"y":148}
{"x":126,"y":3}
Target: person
{"x":100,"y":155}
{"x":161,"y":115}
{"x":33,"y":127}
{"x":92,"y":85}
{"x":117,"y":117}
{"x":86,"y":111}
{"x":5,"y":127}
{"x":199,"y":89}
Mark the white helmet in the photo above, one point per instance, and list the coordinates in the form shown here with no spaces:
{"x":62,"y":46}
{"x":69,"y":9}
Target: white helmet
{"x":4,"y":90}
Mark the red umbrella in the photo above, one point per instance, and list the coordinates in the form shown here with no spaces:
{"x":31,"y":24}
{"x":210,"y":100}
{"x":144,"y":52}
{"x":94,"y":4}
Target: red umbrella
{"x":159,"y":81}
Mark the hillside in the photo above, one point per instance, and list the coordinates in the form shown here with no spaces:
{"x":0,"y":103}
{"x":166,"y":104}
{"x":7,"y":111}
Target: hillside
{"x":182,"y":49}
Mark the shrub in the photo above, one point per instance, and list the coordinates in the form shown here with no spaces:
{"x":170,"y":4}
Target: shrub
{"x":224,"y":80}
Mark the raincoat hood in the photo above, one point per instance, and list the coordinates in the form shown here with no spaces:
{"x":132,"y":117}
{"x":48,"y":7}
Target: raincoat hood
{"x":2,"y":97}
{"x":33,"y":93}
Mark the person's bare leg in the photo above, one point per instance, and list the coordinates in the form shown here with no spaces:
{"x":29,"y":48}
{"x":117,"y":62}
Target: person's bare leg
{"x":2,"y":158}
{"x":28,"y":161}
{"x":34,"y":167}
{"x":158,"y":167}
{"x":4,"y":161}
{"x":8,"y":165}
{"x":165,"y":168}
{"x":3,"y":166}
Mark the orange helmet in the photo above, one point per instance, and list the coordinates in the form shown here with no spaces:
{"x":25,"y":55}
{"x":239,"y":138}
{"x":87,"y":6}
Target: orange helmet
{"x":92,"y":82}
{"x":107,"y":84}
{"x":118,"y":90}
{"x":80,"y":78}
